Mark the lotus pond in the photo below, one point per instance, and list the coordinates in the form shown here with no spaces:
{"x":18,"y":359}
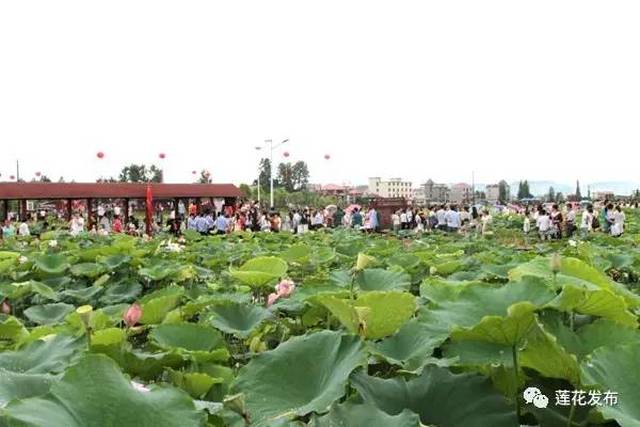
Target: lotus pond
{"x":362,"y":331}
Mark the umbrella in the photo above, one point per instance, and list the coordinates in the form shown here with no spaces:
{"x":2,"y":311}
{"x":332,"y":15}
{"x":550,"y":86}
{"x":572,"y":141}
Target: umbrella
{"x":331,"y":208}
{"x":351,"y":208}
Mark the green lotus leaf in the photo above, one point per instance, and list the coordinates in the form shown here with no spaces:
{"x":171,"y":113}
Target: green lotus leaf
{"x":84,"y":296}
{"x":197,"y":384}
{"x":12,"y":329}
{"x":508,"y":330}
{"x":46,"y":355}
{"x":113,"y":262}
{"x":299,"y":253}
{"x":108,"y":337}
{"x":411,"y":347}
{"x":364,"y":415}
{"x":122,"y":292}
{"x":377,"y":279}
{"x":88,"y":269}
{"x":156,"y":309}
{"x":77,"y":401}
{"x":474,"y":303}
{"x":577,"y":273}
{"x":439,"y":398}
{"x":187,"y":336}
{"x":148,"y":366}
{"x":52,"y":263}
{"x":278,"y":385}
{"x":18,"y":290}
{"x":48,"y":314}
{"x":168,"y":270}
{"x":373,"y":314}
{"x":596,"y":302}
{"x":238,"y":318}
{"x":260,"y":271}
{"x":615,"y":369}
{"x":14,"y":385}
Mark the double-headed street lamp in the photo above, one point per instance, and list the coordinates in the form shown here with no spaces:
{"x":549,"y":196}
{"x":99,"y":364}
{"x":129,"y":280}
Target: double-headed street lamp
{"x":268,"y":143}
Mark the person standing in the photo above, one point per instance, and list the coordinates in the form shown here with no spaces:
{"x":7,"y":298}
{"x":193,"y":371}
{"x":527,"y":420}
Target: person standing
{"x":395,"y":221}
{"x":441,"y":216}
{"x":618,"y":222}
{"x":571,"y":220}
{"x":356,"y":219}
{"x":543,"y":223}
{"x":453,"y":220}
{"x":221,"y":224}
{"x":586,"y":223}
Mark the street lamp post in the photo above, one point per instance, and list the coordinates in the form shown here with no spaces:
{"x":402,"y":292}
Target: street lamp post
{"x":269,"y":143}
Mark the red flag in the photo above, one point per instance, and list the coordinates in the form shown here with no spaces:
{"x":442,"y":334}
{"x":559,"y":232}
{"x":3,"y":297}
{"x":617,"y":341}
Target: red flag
{"x":149,"y":206}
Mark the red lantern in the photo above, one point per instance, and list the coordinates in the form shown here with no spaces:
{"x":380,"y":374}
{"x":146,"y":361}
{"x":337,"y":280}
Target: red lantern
{"x":38,"y":173}
{"x":286,"y":154}
{"x":193,"y":172}
{"x":12,"y":177}
{"x":327,"y":157}
{"x":100,"y":155}
{"x":162,"y":155}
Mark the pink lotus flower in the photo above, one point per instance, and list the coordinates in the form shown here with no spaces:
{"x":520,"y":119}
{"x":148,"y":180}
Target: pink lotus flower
{"x":5,"y":307}
{"x":285,"y":288}
{"x":272,"y":298}
{"x":132,"y":315}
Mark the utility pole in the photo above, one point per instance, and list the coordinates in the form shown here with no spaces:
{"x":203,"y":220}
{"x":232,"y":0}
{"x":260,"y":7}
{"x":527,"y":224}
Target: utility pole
{"x":473,"y":186}
{"x":17,"y":170}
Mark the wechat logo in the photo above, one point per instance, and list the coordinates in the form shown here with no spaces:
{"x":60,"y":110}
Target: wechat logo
{"x":533,"y":395}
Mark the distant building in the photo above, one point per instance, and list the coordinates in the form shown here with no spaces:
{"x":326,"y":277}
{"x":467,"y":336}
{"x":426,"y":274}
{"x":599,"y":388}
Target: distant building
{"x":603,"y":195}
{"x":435,"y":193}
{"x":461,"y":193}
{"x":395,"y":187}
{"x":492,"y":192}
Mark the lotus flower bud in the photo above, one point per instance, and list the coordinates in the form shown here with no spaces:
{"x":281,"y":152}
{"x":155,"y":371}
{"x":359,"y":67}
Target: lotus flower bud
{"x":5,"y":307}
{"x":272,"y":298}
{"x":433,"y":270}
{"x":85,"y":313}
{"x":363,"y":261}
{"x":132,"y":315}
{"x":555,"y":263}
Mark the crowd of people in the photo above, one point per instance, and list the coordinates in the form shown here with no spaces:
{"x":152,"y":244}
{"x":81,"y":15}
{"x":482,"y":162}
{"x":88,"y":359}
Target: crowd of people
{"x":548,"y":221}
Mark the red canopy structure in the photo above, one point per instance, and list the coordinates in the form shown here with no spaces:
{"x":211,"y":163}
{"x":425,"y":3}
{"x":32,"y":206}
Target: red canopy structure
{"x":24,"y":191}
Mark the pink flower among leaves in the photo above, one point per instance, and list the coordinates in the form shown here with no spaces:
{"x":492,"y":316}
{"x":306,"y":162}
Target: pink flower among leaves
{"x":5,"y":307}
{"x":285,"y":288}
{"x":272,"y":298}
{"x":132,"y":315}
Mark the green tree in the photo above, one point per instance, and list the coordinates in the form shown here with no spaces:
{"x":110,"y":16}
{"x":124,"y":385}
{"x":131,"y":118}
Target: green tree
{"x":285,"y":176}
{"x":503,"y":195}
{"x":559,"y":198}
{"x":205,"y":177}
{"x":300,"y":175}
{"x":246,"y":191}
{"x":521,"y":190}
{"x":264,"y":172}
{"x":139,"y":173}
{"x":551,"y":195}
{"x":578,"y":194}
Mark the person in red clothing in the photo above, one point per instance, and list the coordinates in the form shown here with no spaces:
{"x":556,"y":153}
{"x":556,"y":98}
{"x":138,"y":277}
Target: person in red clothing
{"x":117,"y":225}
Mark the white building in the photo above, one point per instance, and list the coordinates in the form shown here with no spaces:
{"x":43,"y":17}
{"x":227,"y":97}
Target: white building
{"x":436,"y":193}
{"x":492,"y":192}
{"x":461,"y":193}
{"x":395,"y":187}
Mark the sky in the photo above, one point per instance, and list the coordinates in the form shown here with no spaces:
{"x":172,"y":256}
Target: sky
{"x":545,"y":90}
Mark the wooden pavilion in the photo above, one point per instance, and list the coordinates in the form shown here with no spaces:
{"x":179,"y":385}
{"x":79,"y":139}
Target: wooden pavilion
{"x":91,"y":192}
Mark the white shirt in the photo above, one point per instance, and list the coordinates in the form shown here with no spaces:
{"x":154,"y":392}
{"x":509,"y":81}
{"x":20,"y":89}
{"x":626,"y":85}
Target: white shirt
{"x":453,"y":219}
{"x":403,"y":217}
{"x":440,"y":215}
{"x":23,"y":230}
{"x":587,"y":220}
{"x":543,"y":222}
{"x":395,"y":219}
